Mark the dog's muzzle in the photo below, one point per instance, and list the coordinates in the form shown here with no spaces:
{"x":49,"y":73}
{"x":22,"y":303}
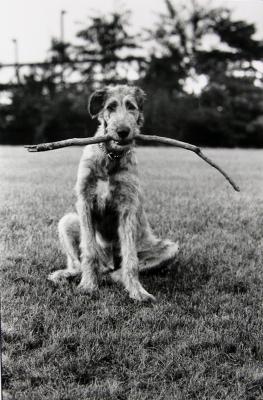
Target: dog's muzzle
{"x":123,"y":131}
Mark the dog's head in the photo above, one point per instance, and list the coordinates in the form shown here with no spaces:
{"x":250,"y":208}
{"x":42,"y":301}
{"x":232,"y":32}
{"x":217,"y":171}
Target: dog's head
{"x":120,"y":111}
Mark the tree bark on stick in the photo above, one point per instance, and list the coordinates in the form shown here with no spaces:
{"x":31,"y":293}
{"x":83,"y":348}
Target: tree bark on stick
{"x":66,"y":143}
{"x":191,"y":147}
{"x":144,"y":138}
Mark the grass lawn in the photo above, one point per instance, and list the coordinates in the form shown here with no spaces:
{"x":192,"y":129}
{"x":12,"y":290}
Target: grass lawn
{"x":203,"y":339}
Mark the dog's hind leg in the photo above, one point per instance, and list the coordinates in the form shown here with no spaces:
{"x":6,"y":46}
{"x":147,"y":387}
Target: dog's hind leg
{"x":154,"y":253}
{"x":69,"y":235}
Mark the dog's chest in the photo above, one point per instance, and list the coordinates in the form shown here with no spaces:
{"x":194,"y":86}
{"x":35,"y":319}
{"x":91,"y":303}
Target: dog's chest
{"x":105,"y":215}
{"x":103,"y":193}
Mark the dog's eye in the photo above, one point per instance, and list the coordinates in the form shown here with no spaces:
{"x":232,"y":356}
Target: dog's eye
{"x":130,"y":106}
{"x":112,"y":106}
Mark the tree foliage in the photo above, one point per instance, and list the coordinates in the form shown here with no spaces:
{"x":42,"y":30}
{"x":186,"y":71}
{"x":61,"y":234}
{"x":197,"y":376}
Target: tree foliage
{"x":107,"y":47}
{"x":188,"y":42}
{"x":195,"y":40}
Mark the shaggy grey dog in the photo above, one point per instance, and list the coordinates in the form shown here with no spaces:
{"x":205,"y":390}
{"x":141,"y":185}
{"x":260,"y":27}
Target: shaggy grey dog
{"x":110,"y":231}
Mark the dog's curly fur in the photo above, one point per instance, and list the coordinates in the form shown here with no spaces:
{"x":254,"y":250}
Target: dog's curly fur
{"x":110,"y":231}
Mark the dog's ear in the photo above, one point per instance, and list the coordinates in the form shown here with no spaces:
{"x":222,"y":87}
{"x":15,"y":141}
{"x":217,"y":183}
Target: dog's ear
{"x":97,"y":101}
{"x":140,"y":96}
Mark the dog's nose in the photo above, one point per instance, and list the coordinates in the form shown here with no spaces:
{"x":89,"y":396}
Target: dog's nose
{"x":123,"y":131}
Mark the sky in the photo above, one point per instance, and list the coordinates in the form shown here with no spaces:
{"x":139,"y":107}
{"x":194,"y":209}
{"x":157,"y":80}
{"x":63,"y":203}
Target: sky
{"x":34,"y":22}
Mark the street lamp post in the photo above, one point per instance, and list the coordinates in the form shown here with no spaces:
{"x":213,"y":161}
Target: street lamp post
{"x":16,"y":60}
{"x":62,"y":38}
{"x":62,"y":13}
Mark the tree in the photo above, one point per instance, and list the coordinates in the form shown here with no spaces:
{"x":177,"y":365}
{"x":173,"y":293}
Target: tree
{"x":106,"y":46}
{"x":60,"y":56}
{"x":23,"y":114}
{"x":196,"y":40}
{"x":177,"y":36}
{"x":236,"y":52}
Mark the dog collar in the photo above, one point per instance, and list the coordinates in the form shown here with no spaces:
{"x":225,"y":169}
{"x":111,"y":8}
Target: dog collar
{"x":111,"y":155}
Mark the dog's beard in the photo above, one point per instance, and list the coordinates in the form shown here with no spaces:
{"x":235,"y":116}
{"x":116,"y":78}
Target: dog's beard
{"x":119,"y":146}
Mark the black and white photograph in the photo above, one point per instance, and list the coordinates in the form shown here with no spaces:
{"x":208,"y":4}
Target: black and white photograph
{"x":131,"y":201}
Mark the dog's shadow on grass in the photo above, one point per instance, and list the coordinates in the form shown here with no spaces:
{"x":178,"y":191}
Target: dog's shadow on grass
{"x":180,"y":276}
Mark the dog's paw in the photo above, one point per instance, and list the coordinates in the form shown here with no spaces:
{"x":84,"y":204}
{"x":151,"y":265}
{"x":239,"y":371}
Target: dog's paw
{"x":176,"y":247}
{"x":58,"y":277}
{"x":116,"y":276}
{"x":88,"y":288}
{"x":138,"y":293}
{"x":172,"y":248}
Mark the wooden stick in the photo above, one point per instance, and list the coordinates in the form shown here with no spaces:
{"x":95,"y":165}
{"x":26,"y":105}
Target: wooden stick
{"x":191,"y":147}
{"x":66,"y":143}
{"x":144,"y":138}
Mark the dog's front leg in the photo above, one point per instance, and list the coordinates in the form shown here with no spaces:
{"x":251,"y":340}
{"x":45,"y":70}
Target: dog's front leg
{"x":130,"y":268}
{"x":88,"y":246}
